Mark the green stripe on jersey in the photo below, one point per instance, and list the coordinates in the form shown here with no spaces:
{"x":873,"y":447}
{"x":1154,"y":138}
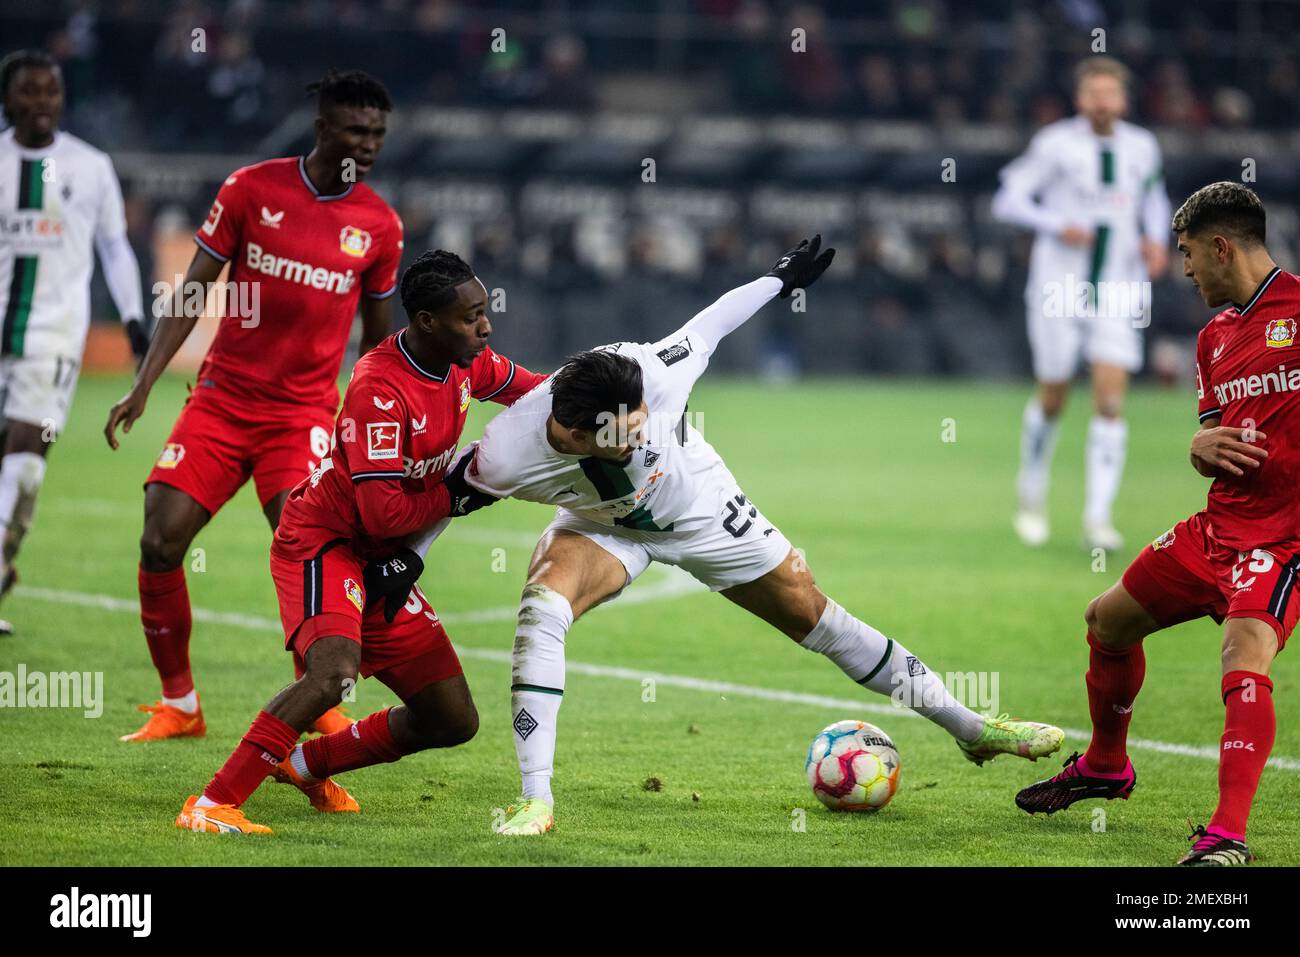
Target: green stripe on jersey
{"x":1107,"y":165}
{"x":22,"y":286}
{"x":611,"y":481}
{"x":1099,"y":243}
{"x":641,"y":519}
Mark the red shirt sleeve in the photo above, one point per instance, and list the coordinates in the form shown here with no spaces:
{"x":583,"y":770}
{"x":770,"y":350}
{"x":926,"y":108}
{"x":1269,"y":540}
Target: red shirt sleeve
{"x":380,"y":280}
{"x":219,"y":233}
{"x":371,"y":440}
{"x":1207,"y":403}
{"x":496,"y":379}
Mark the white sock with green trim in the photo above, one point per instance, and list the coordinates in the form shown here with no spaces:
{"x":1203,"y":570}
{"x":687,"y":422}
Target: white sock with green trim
{"x":882,"y":665}
{"x":537,"y":685}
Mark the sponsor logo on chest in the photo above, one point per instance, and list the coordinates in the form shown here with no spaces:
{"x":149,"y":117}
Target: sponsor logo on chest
{"x":267,"y":263}
{"x":27,"y":231}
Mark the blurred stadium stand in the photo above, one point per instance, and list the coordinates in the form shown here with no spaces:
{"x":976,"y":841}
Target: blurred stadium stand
{"x":530,"y":161}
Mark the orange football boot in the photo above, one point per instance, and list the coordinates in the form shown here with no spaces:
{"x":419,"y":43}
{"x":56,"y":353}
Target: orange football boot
{"x":218,"y":819}
{"x":168,"y":722}
{"x":325,"y":796}
{"x":335,"y":719}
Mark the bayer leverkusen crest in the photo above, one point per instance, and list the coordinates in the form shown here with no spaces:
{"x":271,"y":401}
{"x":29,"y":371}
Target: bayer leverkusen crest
{"x":354,"y":241}
{"x":1280,"y":333}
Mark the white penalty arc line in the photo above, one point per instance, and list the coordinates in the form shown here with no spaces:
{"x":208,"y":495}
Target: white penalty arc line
{"x":672,"y":586}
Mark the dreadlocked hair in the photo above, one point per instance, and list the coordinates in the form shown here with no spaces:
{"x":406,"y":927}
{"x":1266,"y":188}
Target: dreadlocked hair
{"x":430,"y":282}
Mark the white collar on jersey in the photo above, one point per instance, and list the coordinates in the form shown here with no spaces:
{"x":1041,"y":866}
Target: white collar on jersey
{"x":1259,"y":291}
{"x":302,"y":171}
{"x":26,"y":152}
{"x":406,"y":353}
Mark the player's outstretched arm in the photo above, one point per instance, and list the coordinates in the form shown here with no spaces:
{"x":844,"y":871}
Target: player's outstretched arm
{"x":797,"y":269}
{"x":171,"y":331}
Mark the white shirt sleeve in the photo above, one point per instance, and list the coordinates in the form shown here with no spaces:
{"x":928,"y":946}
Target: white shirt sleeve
{"x":729,"y":313}
{"x":116,"y":258}
{"x":678,"y":360}
{"x":1156,"y":211}
{"x":1021,"y":180}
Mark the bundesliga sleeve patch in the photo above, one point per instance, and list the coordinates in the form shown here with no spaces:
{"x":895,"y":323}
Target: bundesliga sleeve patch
{"x":382,"y":440}
{"x":209,"y":226}
{"x":676,"y":352}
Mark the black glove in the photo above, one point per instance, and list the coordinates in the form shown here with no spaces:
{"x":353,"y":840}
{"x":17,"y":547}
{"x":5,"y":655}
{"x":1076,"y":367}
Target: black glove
{"x":801,"y":266}
{"x":465,"y":498}
{"x":392,"y":580}
{"x":139,"y":339}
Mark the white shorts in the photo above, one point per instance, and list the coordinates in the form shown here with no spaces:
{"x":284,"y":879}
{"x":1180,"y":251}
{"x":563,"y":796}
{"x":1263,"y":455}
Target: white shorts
{"x":37,"y":389}
{"x":738,"y":546}
{"x":1058,"y":342}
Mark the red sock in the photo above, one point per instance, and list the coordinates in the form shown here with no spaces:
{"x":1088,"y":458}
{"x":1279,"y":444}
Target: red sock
{"x":268,"y":742}
{"x":1248,"y":731}
{"x":367,"y":742}
{"x":165,"y":614}
{"x":1114,"y":679}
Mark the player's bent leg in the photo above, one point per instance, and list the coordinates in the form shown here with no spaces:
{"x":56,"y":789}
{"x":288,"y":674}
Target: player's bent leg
{"x":787,"y":597}
{"x":1249,"y":729}
{"x":335,"y":719}
{"x":1117,"y":624}
{"x":569,"y":574}
{"x":171,"y":521}
{"x":332,"y":665}
{"x":1106,"y":451}
{"x":1039,"y":430}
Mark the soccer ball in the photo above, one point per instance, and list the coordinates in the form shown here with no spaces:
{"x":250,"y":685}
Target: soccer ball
{"x":853,"y":766}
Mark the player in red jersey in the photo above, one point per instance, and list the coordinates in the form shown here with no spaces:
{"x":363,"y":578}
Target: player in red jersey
{"x":386,"y":477}
{"x":306,"y":240}
{"x":1235,"y":561}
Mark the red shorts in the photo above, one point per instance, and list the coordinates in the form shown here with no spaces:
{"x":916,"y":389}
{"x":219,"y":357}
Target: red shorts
{"x":326,"y":596}
{"x":1186,"y":574}
{"x":220,"y":440}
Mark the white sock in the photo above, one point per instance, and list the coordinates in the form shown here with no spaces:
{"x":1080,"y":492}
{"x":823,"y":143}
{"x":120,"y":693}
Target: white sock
{"x":537,"y":685}
{"x":1038,"y":436}
{"x":189,"y":703}
{"x":1107,"y":447}
{"x":205,"y":801}
{"x":299,"y":763}
{"x":886,"y":667}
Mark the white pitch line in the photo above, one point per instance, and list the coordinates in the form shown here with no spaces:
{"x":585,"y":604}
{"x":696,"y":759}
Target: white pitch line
{"x":674,"y":584}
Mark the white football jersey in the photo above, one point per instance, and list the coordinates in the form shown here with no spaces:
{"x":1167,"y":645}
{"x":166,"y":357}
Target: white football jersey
{"x":672,"y":481}
{"x":54,"y":204}
{"x":1070,"y":176}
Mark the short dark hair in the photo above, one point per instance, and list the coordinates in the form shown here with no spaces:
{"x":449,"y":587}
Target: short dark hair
{"x":1225,"y":206}
{"x":594,"y":383}
{"x":15,"y":61}
{"x":350,"y":88}
{"x":430,"y":282}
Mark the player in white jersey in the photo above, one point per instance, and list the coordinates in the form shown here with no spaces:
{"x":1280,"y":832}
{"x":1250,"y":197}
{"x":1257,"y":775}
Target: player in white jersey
{"x":59,"y":203}
{"x":1092,"y":190}
{"x":605,"y":440}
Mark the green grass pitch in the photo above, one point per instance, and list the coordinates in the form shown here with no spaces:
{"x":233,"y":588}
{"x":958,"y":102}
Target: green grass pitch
{"x":907,"y":530}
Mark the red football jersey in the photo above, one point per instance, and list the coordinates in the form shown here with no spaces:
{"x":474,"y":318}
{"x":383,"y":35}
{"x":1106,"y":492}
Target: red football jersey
{"x":394,"y":438}
{"x":309,"y":257}
{"x":1248,"y":374}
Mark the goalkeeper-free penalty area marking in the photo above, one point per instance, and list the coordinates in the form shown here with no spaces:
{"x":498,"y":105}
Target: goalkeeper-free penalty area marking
{"x":670,"y":583}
